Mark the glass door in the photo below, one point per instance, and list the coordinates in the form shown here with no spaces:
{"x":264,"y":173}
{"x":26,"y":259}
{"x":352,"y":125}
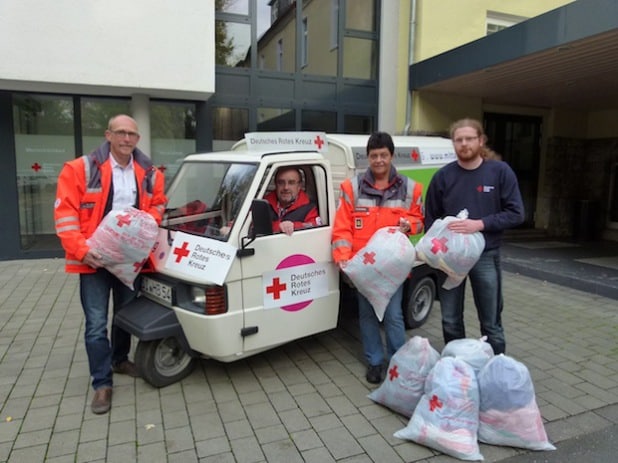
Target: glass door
{"x":44,"y":140}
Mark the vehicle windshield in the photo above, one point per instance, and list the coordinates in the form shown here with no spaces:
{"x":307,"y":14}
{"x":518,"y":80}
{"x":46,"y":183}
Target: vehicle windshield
{"x":205,"y":197}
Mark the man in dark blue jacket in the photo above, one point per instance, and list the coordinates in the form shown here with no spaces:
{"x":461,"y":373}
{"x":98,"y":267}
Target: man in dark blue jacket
{"x":488,"y":189}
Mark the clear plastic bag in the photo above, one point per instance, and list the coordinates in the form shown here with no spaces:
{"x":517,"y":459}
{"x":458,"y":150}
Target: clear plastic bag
{"x":124,"y":238}
{"x":509,"y":414}
{"x":405,"y":378}
{"x":378,"y":269}
{"x":453,"y":253}
{"x":447,"y":416}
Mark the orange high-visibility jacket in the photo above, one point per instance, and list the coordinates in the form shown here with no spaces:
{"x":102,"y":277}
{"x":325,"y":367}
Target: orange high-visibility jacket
{"x":82,"y":195}
{"x":363,"y":210}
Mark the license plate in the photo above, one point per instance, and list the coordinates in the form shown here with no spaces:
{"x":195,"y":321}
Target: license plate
{"x":157,"y":289}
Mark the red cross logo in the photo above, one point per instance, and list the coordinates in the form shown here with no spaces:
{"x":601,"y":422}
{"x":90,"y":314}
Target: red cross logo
{"x":369,"y":258}
{"x":138,"y":265}
{"x":414,"y":154}
{"x":276,"y":288}
{"x":181,"y":252}
{"x":393,"y":373}
{"x":318,"y":141}
{"x":434,"y":403}
{"x":123,"y":219}
{"x":36,"y":167}
{"x":162,"y":168}
{"x":439,"y":245}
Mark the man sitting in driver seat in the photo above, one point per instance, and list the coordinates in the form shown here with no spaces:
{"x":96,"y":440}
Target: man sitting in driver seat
{"x":291,"y":208}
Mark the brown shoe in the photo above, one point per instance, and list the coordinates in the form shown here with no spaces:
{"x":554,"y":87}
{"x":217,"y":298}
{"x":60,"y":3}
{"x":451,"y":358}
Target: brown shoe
{"x":102,"y":400}
{"x":126,"y":368}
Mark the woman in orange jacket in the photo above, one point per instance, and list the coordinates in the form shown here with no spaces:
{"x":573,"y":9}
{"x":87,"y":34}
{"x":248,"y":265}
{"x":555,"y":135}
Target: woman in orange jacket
{"x":379,"y":198}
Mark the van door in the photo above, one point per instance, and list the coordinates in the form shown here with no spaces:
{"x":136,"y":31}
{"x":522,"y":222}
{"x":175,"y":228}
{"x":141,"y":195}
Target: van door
{"x":290,"y":283}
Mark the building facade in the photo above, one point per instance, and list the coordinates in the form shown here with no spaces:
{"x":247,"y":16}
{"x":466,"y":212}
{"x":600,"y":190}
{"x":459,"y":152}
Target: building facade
{"x":197,"y":78}
{"x":545,"y":89}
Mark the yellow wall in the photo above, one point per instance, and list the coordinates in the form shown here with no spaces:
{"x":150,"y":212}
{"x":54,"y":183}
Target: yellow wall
{"x":321,"y":60}
{"x":442,"y":25}
{"x":446,"y":24}
{"x":437,"y":111}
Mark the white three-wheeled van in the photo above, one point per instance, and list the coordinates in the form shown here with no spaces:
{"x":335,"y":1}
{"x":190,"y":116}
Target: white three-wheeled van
{"x":226,"y":286}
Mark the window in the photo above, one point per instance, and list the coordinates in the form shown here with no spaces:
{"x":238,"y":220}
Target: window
{"x":360,"y":15}
{"x":318,"y":120}
{"x":228,"y":126}
{"x":232,"y":44}
{"x":334,"y":24}
{"x":497,"y":21}
{"x":276,"y":119}
{"x":358,"y":124}
{"x":205,"y":197}
{"x":360,"y":58}
{"x":44,"y":141}
{"x":280,"y":55}
{"x":236,"y":6}
{"x":308,"y":174}
{"x":172,"y":134}
{"x":304,"y":52}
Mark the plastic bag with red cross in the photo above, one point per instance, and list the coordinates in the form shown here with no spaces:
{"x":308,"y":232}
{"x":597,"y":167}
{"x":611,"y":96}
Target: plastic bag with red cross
{"x":124,"y":238}
{"x":447,"y":416}
{"x":378,"y":269}
{"x":453,"y":253}
{"x":405,"y":379}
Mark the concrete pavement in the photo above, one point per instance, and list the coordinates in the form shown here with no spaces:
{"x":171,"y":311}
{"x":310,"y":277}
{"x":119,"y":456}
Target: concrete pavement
{"x":305,"y":401}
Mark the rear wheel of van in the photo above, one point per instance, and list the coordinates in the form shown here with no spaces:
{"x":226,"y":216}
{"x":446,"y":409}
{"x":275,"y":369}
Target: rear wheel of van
{"x":163,"y":361}
{"x":418,"y":305}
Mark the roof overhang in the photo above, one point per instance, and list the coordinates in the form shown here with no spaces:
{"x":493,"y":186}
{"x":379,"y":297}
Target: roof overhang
{"x":566,"y":58}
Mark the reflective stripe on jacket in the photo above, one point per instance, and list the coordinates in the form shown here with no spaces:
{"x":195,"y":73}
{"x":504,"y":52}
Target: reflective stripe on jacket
{"x":363,"y":210}
{"x":82,"y":195}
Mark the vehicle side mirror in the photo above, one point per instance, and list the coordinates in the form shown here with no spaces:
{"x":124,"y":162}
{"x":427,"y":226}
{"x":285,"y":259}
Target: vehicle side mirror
{"x":260,"y":215}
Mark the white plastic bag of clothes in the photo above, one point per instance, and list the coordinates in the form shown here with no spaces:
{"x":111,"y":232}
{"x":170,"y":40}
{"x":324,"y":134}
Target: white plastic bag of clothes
{"x":378,"y":269}
{"x":453,"y":253}
{"x":124,"y":238}
{"x":405,"y":378}
{"x":447,"y":416}
{"x":476,"y":352}
{"x":509,"y":414}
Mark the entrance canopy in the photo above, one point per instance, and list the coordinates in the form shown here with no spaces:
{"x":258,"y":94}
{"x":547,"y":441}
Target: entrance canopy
{"x":566,"y":58}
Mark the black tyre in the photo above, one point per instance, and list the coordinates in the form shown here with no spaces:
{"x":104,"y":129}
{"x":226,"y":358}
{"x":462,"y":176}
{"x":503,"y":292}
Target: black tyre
{"x":419,"y":303}
{"x":163,"y":361}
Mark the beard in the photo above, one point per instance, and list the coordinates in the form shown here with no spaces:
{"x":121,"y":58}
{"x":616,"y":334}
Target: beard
{"x":467,"y":154}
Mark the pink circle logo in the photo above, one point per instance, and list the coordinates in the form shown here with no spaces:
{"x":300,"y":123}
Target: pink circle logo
{"x":293,"y":261}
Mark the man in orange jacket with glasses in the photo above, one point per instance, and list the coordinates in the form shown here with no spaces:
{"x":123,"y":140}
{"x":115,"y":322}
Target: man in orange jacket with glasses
{"x":114,"y":176}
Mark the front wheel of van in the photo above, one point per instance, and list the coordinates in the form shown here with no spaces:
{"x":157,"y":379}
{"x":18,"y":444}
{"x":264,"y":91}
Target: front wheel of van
{"x":163,"y":361}
{"x":418,"y":306}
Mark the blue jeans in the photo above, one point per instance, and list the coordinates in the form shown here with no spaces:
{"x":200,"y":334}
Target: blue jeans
{"x":486,"y":280}
{"x":394,"y":328}
{"x":94,"y":289}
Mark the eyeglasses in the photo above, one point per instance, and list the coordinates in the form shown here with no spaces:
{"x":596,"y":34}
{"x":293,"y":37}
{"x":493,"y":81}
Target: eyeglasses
{"x":124,"y":133}
{"x":379,"y":156}
{"x":283,"y":182}
{"x":459,"y":141}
